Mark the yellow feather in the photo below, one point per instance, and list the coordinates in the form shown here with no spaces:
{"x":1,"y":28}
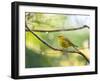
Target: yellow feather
{"x":64,"y":42}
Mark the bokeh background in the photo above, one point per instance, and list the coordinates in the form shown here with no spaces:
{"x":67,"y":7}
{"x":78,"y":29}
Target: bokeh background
{"x":39,"y":55}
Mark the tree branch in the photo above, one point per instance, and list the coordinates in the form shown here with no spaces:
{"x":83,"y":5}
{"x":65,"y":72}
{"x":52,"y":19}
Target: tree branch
{"x":46,"y":42}
{"x":79,"y":52}
{"x":59,"y":30}
{"x":56,"y":49}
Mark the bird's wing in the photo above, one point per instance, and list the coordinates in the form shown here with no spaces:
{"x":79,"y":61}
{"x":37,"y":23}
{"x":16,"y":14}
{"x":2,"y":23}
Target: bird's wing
{"x":70,"y":42}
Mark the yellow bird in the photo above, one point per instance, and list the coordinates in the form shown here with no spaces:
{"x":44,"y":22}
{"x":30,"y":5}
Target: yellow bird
{"x":65,"y":42}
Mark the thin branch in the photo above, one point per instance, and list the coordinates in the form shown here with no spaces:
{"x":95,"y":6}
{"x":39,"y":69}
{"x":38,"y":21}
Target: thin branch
{"x":59,"y":30}
{"x":79,"y":52}
{"x":44,"y":42}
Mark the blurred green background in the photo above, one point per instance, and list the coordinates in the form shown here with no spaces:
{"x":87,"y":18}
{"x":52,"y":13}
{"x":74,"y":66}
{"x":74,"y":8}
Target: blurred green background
{"x":39,"y":55}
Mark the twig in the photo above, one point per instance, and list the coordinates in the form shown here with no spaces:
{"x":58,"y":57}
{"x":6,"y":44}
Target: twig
{"x":79,"y":52}
{"x":59,"y":30}
{"x":44,"y":42}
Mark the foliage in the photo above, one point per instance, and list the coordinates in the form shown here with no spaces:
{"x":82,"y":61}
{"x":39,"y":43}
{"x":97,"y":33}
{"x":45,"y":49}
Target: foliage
{"x":40,"y":55}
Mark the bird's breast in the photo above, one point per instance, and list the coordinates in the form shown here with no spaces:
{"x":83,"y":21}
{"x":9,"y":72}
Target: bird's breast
{"x":65,"y":44}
